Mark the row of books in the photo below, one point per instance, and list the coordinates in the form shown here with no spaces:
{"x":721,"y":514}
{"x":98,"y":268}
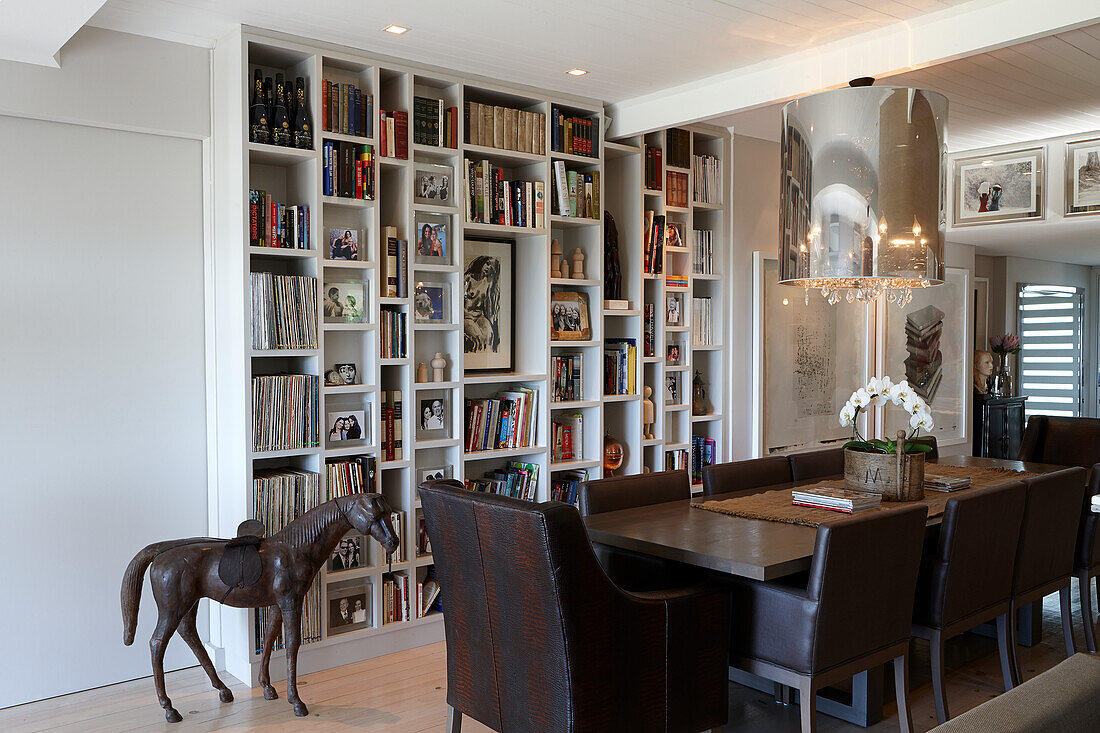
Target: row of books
{"x":397,"y":519}
{"x":517,"y":480}
{"x":620,"y":356}
{"x":675,"y":280}
{"x":837,"y":500}
{"x":653,"y":244}
{"x":434,"y":123}
{"x":347,"y":476}
{"x":566,"y":485}
{"x":348,"y":170}
{"x":279,"y":496}
{"x":392,"y":429}
{"x":347,"y":109}
{"x":702,"y":322}
{"x":567,"y":371}
{"x":567,"y":438}
{"x":489,"y":199}
{"x":704,"y":452}
{"x":702,"y":252}
{"x":676,"y":189}
{"x":395,"y":264}
{"x":677,"y":147}
{"x":649,"y":330}
{"x":676,"y":460}
{"x":504,"y":421}
{"x":574,"y":135}
{"x":391,"y":330}
{"x":505,"y":128}
{"x":576,"y":193}
{"x":652,"y":172}
{"x":284,"y":311}
{"x":272,"y":224}
{"x":285,"y":412}
{"x":393,"y":139}
{"x":398,"y":606}
{"x":706,"y":179}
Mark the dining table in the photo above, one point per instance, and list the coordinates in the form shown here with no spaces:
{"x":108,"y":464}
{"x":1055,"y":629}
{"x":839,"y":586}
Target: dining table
{"x":765,"y":550}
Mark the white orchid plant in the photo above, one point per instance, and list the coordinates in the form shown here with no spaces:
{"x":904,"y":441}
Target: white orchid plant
{"x":879,"y":391}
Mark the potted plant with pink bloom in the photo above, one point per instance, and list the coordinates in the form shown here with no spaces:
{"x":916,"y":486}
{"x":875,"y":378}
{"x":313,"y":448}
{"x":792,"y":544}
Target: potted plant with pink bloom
{"x":1000,"y":382}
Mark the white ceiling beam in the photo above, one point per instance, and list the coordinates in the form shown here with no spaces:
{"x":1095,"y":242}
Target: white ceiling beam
{"x":958,"y":32}
{"x":33,"y":31}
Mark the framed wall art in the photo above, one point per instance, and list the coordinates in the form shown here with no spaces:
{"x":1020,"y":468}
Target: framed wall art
{"x":1083,"y":177}
{"x":487,"y":309}
{"x":998,"y":187}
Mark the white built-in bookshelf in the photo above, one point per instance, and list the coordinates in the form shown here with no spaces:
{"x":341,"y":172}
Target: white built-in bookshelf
{"x":296,"y":177}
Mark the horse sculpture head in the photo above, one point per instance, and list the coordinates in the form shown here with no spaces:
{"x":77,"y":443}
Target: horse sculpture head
{"x":370,"y":514}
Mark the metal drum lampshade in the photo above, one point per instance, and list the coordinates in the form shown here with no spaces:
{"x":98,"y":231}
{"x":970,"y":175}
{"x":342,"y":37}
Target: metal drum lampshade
{"x":862,"y":192}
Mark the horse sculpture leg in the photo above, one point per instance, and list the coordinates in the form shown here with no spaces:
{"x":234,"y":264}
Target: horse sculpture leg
{"x":190,"y":634}
{"x":292,"y":634}
{"x":265,"y":661}
{"x":167,"y":622}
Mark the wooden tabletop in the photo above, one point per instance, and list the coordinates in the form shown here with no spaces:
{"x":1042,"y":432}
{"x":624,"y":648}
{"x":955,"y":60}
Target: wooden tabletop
{"x":750,"y":548}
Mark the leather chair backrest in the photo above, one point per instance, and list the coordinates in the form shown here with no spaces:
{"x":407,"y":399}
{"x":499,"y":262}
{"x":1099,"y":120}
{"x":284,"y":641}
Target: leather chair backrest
{"x":1048,"y":536}
{"x":864,"y":576}
{"x":928,"y":440}
{"x":1063,"y":441}
{"x":722,"y":478}
{"x":816,"y":464}
{"x":976,"y":552}
{"x":1088,"y":537}
{"x":626,"y":492}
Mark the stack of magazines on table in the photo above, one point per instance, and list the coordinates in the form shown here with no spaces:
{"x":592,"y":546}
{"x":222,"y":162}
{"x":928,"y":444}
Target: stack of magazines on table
{"x":946,"y":483}
{"x":836,"y":500}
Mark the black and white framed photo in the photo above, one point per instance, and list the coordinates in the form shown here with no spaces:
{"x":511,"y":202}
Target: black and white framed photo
{"x":432,"y":416}
{"x":431,"y":238}
{"x":342,"y":374}
{"x":674,"y":309}
{"x":433,"y":474}
{"x":348,"y":425}
{"x":1083,"y":177}
{"x":569,"y":320}
{"x":432,"y":184}
{"x":672,"y":388}
{"x":350,"y":553}
{"x":430,"y":301}
{"x":343,"y":244}
{"x":345,"y":302}
{"x":349,"y":605}
{"x":487,"y":308}
{"x":999,"y":187}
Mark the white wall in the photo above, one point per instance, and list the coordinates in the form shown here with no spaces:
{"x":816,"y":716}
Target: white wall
{"x":102,"y":374}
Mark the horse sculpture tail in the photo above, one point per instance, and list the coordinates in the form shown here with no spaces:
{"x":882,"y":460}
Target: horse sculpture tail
{"x":131,"y":584}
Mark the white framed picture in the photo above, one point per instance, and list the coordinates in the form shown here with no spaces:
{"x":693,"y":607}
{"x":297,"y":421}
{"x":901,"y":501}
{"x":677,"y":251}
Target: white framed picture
{"x":999,"y":187}
{"x":1083,"y":177}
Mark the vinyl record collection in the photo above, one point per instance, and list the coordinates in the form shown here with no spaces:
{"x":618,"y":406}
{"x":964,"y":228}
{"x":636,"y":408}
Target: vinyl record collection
{"x":702,"y":325}
{"x":707,"y":179}
{"x":284,"y":412}
{"x":284,"y":311}
{"x":702,"y":255}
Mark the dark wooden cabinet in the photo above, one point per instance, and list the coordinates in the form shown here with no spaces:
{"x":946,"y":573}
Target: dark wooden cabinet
{"x":998,"y":426}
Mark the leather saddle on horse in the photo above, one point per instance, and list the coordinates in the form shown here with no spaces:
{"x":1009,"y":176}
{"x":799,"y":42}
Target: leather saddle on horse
{"x":240,"y":565}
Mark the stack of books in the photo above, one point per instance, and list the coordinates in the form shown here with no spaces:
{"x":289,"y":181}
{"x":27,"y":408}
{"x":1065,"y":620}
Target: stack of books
{"x":652,"y":180}
{"x":394,"y":134}
{"x":573,"y":135}
{"x":676,"y":189}
{"x":565,"y":485}
{"x":946,"y":483}
{"x":505,"y":421}
{"x":272,"y":224}
{"x":347,"y":109}
{"x":836,"y":500}
{"x":653,"y":243}
{"x":505,"y":128}
{"x":576,"y":193}
{"x":348,"y":170}
{"x":489,"y":199}
{"x":392,"y":429}
{"x":619,"y":358}
{"x":517,"y":480}
{"x":567,"y":385}
{"x":346,"y":476}
{"x":566,"y":438}
{"x":434,"y":123}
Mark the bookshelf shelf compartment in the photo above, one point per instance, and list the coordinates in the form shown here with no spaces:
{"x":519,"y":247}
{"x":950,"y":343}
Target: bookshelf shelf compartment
{"x":572,"y":344}
{"x":344,"y":138}
{"x":573,"y":221}
{"x":488,"y":455}
{"x":651,"y":441}
{"x":503,"y":377}
{"x":677,"y":408}
{"x":350,"y":389}
{"x":434,"y":151}
{"x":264,"y":154}
{"x":436,"y":385}
{"x":281,"y":353}
{"x":705,"y":418}
{"x":567,"y":281}
{"x":704,"y":205}
{"x":393,"y":162}
{"x":287,"y":453}
{"x":621,"y":397}
{"x":514,"y":158}
{"x":573,"y":158}
{"x":436,"y":326}
{"x":615,"y":150}
{"x":282,"y":252}
{"x":611,"y":312}
{"x":347,"y":201}
{"x":436,"y":208}
{"x":574,"y":465}
{"x":393,"y":465}
{"x":349,"y":327}
{"x":348,"y":264}
{"x":497,"y":229}
{"x":441,"y":443}
{"x":709,"y":347}
{"x":574,"y":404}
{"x":396,"y":361}
{"x":354,"y":450}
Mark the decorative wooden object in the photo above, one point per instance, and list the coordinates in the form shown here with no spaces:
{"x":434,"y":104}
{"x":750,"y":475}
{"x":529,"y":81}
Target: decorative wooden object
{"x":897,"y":476}
{"x":421,"y":373}
{"x":578,"y":264}
{"x":564,"y":269}
{"x":649,"y":413}
{"x":555,"y":257}
{"x":248,"y":571}
{"x":438,"y":365}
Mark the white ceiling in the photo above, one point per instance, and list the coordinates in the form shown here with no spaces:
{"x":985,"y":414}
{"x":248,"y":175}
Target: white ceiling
{"x":629,"y":47}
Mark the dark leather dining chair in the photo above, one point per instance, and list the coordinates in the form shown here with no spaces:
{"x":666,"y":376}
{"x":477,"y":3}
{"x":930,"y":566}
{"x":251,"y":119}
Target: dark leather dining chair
{"x":539,"y":639}
{"x":1045,"y":553}
{"x":966,"y":579}
{"x":817,"y":464}
{"x":928,"y":440}
{"x":1063,"y":441}
{"x":745,"y":477}
{"x":636,"y":571}
{"x":854,"y":614}
{"x":1086,"y":564}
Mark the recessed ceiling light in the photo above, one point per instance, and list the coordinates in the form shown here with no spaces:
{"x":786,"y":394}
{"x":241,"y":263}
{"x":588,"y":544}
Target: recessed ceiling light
{"x":576,"y":72}
{"x":396,"y":29}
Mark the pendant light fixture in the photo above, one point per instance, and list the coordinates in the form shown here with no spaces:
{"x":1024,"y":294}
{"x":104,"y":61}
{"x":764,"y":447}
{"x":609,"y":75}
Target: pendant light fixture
{"x":862,"y":192}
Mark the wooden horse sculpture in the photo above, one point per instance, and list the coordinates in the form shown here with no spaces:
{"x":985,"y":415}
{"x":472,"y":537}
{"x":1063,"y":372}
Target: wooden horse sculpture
{"x":246,"y":572}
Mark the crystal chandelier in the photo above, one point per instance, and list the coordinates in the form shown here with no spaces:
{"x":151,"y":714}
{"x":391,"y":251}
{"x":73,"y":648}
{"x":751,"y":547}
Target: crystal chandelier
{"x":862,"y":192}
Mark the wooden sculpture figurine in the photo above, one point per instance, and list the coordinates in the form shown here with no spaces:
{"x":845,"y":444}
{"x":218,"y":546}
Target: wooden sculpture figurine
{"x":249,"y":571}
{"x":648,"y":414}
{"x":578,"y":264}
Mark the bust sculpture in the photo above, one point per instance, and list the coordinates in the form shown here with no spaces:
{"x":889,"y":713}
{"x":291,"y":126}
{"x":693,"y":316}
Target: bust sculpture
{"x":983,"y":369}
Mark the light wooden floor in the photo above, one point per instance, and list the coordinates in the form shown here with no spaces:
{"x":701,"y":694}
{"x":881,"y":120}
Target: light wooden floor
{"x":405,"y":693}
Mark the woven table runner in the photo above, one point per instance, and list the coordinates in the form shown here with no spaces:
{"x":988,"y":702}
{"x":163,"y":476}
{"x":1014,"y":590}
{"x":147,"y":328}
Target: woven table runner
{"x":776,"y":506}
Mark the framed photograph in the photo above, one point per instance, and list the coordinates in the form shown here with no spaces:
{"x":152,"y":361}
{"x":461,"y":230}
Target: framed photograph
{"x":351,"y":553}
{"x":345,"y":302}
{"x":674,"y":234}
{"x":673,"y":357}
{"x":349,"y":606}
{"x":342,"y":374}
{"x":999,"y":187}
{"x":569,"y":316}
{"x":432,"y":418}
{"x":431,"y":238}
{"x":672,"y":388}
{"x":343,"y":244}
{"x":1083,"y":177}
{"x":430,"y":302}
{"x":487,"y":309}
{"x":348,"y":425}
{"x":433,"y":474}
{"x":432,"y":184}
{"x":674,"y":310}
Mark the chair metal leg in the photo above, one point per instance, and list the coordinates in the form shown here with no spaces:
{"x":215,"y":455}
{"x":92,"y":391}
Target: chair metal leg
{"x":901,"y":692}
{"x":938,"y":692}
{"x":784,"y":695}
{"x":1086,"y":610}
{"x":1006,"y":639}
{"x":454,"y":720}
{"x":1067,"y":621}
{"x":807,"y":703}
